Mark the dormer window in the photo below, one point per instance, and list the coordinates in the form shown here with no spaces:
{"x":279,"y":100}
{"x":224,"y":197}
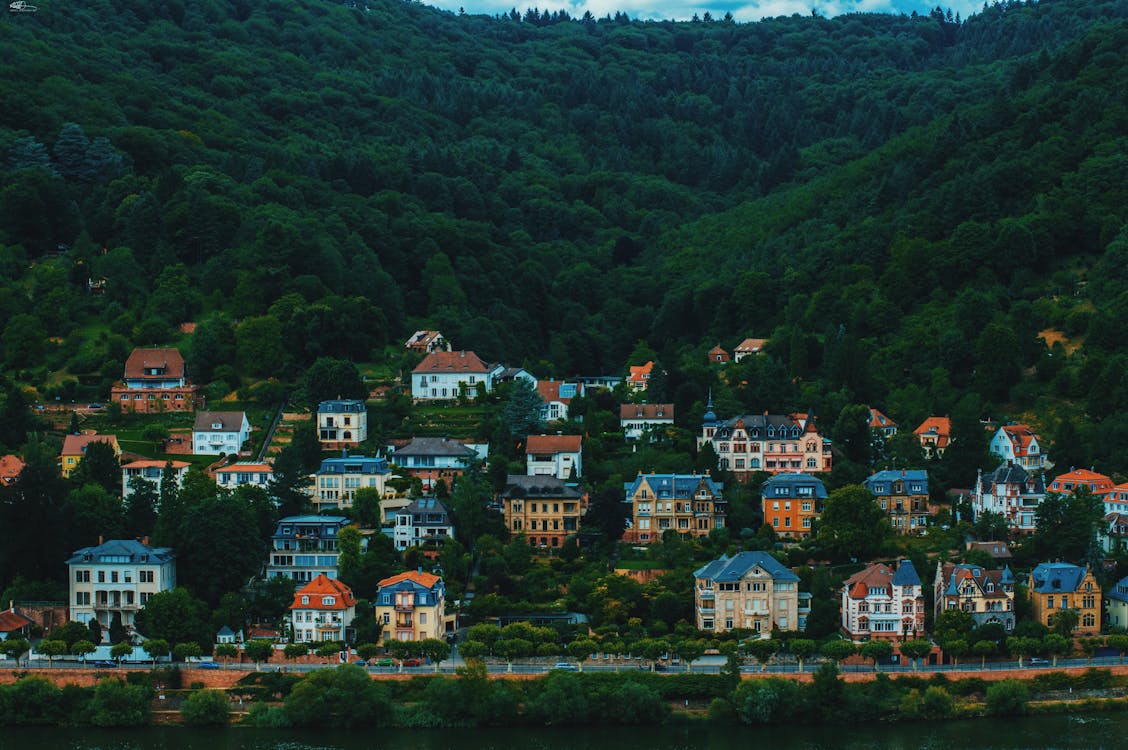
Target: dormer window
{"x":217,"y":425}
{"x":305,"y":600}
{"x":327,"y":601}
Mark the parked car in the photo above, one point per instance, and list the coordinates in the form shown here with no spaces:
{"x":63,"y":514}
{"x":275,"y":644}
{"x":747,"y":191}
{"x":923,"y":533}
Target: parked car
{"x":1036,"y":661}
{"x":564,"y":666}
{"x":385,"y":662}
{"x":661,"y":668}
{"x":412,"y":662}
{"x":207,"y":665}
{"x":360,"y":663}
{"x":104,"y":664}
{"x":96,"y":406}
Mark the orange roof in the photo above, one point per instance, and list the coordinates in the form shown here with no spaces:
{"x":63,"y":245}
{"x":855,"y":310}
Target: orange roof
{"x":553,"y":444}
{"x":10,"y":468}
{"x":75,"y":445}
{"x":646,"y":411}
{"x":640,"y":373}
{"x":321,"y":587}
{"x":437,"y":362}
{"x":148,"y":463}
{"x":1020,"y":436}
{"x":751,"y":345}
{"x":1098,"y":483}
{"x":549,"y":390}
{"x":141,"y":359}
{"x":873,"y":576}
{"x":941,"y":427}
{"x":11,"y":621}
{"x":426,"y":580}
{"x":261,"y":468}
{"x":879,"y":421}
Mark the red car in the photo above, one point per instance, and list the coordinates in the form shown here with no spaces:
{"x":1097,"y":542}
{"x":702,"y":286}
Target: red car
{"x":412,"y":662}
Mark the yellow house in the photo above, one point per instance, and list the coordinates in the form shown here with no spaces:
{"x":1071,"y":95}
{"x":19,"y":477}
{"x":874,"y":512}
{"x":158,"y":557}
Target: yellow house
{"x":1059,"y":586}
{"x":74,"y":448}
{"x":411,"y":607}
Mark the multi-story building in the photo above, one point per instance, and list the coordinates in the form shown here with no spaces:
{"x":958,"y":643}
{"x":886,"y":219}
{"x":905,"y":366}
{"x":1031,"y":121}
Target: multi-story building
{"x":1112,"y":533}
{"x":881,"y":424}
{"x":117,"y":577}
{"x":338,"y":479}
{"x":879,"y":603}
{"x":638,"y":377}
{"x":774,"y":443}
{"x":903,"y":496}
{"x":557,"y":396}
{"x":74,"y":448}
{"x":341,"y":423}
{"x":638,"y":419}
{"x":10,"y":467}
{"x":152,"y":471}
{"x":1017,"y":444}
{"x":443,"y":375}
{"x":425,"y":520}
{"x":987,"y":595}
{"x":749,"y":348}
{"x":791,"y":502}
{"x":234,"y":475}
{"x":1055,"y":587}
{"x":555,"y":455}
{"x":1116,"y":499}
{"x":1068,"y":483}
{"x":323,"y":610}
{"x":691,"y":504}
{"x":425,"y":342}
{"x":155,"y":380}
{"x":432,"y":459}
{"x":1116,"y":604}
{"x":750,"y":590}
{"x":217,"y":432}
{"x":1010,"y":492}
{"x":411,"y":606}
{"x":934,"y":434}
{"x":304,"y":547}
{"x":545,"y":509}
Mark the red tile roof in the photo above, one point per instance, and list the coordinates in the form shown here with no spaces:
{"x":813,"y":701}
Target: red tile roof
{"x":11,"y":621}
{"x":10,"y":468}
{"x":646,"y":411}
{"x":751,"y":346}
{"x":640,"y":373}
{"x":1098,"y":483}
{"x":439,"y":362}
{"x":148,"y":463}
{"x":873,"y":576}
{"x":252,"y":468}
{"x":941,"y":427}
{"x":879,"y":421}
{"x":75,"y":445}
{"x":321,"y":587}
{"x":141,"y":359}
{"x":553,"y":444}
{"x":1020,"y":436}
{"x":549,"y":391}
{"x":426,"y":580}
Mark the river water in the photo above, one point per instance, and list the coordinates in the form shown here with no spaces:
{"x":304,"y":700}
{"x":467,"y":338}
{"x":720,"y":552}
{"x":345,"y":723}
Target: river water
{"x":1090,"y":731}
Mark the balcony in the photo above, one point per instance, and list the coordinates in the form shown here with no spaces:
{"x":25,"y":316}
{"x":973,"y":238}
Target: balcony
{"x":706,"y":610}
{"x":404,"y":607}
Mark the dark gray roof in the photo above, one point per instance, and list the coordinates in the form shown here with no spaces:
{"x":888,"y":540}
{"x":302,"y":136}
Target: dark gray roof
{"x":906,"y":575}
{"x":885,"y":479}
{"x":1119,"y":591}
{"x":520,"y":485}
{"x":433,"y":446}
{"x":228,"y":421}
{"x":791,"y":483}
{"x":673,"y":485}
{"x":354,"y":465}
{"x":734,"y":568}
{"x":341,"y":406}
{"x":764,"y":427}
{"x":1009,"y":473}
{"x":123,"y":551}
{"x":424,"y":505}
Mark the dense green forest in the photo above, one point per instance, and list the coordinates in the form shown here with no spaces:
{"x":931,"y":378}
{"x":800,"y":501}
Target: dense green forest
{"x":901,"y":203}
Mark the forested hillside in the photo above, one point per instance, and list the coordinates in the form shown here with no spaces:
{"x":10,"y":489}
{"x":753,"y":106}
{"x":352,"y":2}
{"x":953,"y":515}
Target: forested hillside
{"x":900,"y":203}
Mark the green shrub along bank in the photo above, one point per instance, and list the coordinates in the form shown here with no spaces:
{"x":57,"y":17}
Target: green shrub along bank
{"x":348,"y":697}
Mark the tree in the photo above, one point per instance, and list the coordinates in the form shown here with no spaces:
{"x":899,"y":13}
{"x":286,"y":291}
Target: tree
{"x":368,"y":651}
{"x":838,"y":650}
{"x":227,"y":652}
{"x":877,"y":652}
{"x":206,"y":708}
{"x":185,"y":651}
{"x":117,"y":704}
{"x":803,"y":649}
{"x":1064,"y":622}
{"x":521,"y":416}
{"x":957,"y":649}
{"x":258,"y":651}
{"x":1007,"y":698}
{"x":328,"y":378}
{"x":581,"y":649}
{"x":1056,"y":645}
{"x":366,"y":508}
{"x":763,"y":650}
{"x":983,"y":649}
{"x":690,"y":651}
{"x":1023,"y":646}
{"x":118,"y":633}
{"x":916,"y":650}
{"x":99,"y":465}
{"x":120,"y":650}
{"x":140,"y":508}
{"x":328,"y":649}
{"x":155,"y":648}
{"x":51,"y":649}
{"x":434,"y":649}
{"x":82,"y":648}
{"x":259,"y":347}
{"x":852,"y":526}
{"x":1119,"y":643}
{"x":15,"y":647}
{"x":333,"y":698}
{"x":295,"y":650}
{"x":175,"y":617}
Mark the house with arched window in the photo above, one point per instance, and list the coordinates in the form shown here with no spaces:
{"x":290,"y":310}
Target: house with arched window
{"x":1056,"y":587}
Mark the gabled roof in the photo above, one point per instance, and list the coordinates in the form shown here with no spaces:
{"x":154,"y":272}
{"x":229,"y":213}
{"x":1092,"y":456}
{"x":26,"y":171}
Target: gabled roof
{"x":717,"y":350}
{"x":149,"y":463}
{"x":1011,"y":474}
{"x":425,"y":505}
{"x":782,"y":426}
{"x":341,"y":406}
{"x":75,"y":445}
{"x":537,"y":444}
{"x":12,"y":621}
{"x":640,"y":373}
{"x":228,"y":421}
{"x":940,"y":427}
{"x":1021,"y":438}
{"x":557,"y":390}
{"x":879,"y":421}
{"x":539,"y":486}
{"x":997,"y":550}
{"x":10,"y":468}
{"x":751,"y":346}
{"x":123,"y":551}
{"x":879,"y":576}
{"x":421,"y":339}
{"x":1098,"y":483}
{"x":1055,"y":578}
{"x":438,"y":362}
{"x":953,"y":575}
{"x":426,"y":580}
{"x":673,"y":486}
{"x":906,"y":574}
{"x":143,"y":359}
{"x":246,"y":468}
{"x":729,"y":569}
{"x":646,"y":411}
{"x":434,"y":446}
{"x":321,"y":587}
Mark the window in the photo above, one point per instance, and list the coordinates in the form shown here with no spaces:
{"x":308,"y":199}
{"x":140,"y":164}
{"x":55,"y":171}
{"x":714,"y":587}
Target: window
{"x":82,"y":576}
{"x":101,"y":576}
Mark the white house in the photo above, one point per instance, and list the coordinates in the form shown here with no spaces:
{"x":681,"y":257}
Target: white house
{"x":341,"y":423}
{"x":322,"y":610}
{"x":338,"y":479}
{"x":424,"y":520}
{"x":220,"y":432}
{"x":1012,"y":493}
{"x":233,"y":475}
{"x":447,"y":375}
{"x":151,"y":471}
{"x":117,"y":577}
{"x":557,"y":396}
{"x":554,"y":455}
{"x":636,"y":419}
{"x":879,"y":603}
{"x":1017,"y":444}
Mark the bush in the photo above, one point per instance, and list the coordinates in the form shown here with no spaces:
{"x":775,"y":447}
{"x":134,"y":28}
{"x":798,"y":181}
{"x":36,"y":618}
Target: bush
{"x":341,"y":697}
{"x":968,"y":686}
{"x":205,"y":708}
{"x":1095,"y":679}
{"x":117,"y":704}
{"x":1007,"y":698}
{"x":30,"y":701}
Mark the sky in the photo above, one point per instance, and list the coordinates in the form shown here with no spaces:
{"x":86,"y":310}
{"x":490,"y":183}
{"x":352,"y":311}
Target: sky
{"x":684,"y":10}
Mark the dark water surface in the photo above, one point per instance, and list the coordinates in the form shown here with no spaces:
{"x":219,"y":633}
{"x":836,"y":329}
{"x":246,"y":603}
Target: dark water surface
{"x":1097,"y":731}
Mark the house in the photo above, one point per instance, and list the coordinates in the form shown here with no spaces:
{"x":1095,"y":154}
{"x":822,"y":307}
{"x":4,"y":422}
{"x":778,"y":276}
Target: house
{"x":1116,"y":604}
{"x":749,"y":348}
{"x":444,"y":375}
{"x":750,"y":591}
{"x":322,"y":610}
{"x":220,"y":433}
{"x":117,"y":577}
{"x":341,"y":423}
{"x":304,"y":547}
{"x":791,"y":502}
{"x":1112,"y":533}
{"x":10,"y":467}
{"x":337,"y":479}
{"x":1116,"y":499}
{"x":556,"y":455}
{"x":151,"y":471}
{"x":557,"y":396}
{"x":691,"y":504}
{"x":425,"y":520}
{"x":997,"y":550}
{"x":503,"y":374}
{"x":155,"y":380}
{"x":425,"y":342}
{"x":603,"y":382}
{"x":1010,"y":492}
{"x":638,"y":378}
{"x":546,"y":509}
{"x":74,"y":448}
{"x":1018,"y":444}
{"x":639,"y":419}
{"x":13,"y":624}
{"x":935,"y":434}
{"x":234,"y":475}
{"x":1068,"y":483}
{"x":987,"y":595}
{"x":880,"y":603}
{"x":432,"y":459}
{"x":411,"y":607}
{"x":903,"y":496}
{"x":1057,"y":586}
{"x":719,"y":356}
{"x":881,"y":424}
{"x":226,"y":635}
{"x":774,"y":443}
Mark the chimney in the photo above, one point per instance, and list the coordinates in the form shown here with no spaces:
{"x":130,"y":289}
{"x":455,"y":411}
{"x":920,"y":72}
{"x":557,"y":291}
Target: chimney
{"x":100,"y":539}
{"x":145,"y":541}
